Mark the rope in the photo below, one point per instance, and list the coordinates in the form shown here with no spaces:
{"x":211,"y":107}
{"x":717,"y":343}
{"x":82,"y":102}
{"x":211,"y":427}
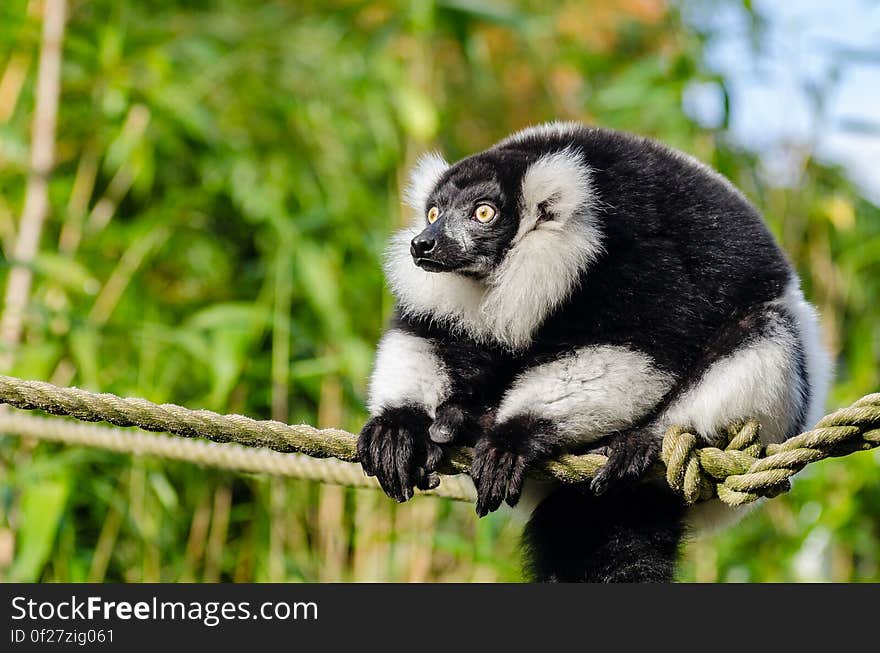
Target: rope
{"x":232,"y":457}
{"x":744,"y":470}
{"x":740,"y":472}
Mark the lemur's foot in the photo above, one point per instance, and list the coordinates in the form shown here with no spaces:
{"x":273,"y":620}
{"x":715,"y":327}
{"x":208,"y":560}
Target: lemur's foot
{"x":502,"y":456}
{"x":395,"y":448}
{"x":453,"y":423}
{"x":630,"y":454}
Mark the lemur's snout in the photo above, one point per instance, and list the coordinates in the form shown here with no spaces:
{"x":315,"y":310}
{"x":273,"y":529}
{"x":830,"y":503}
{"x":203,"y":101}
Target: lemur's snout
{"x":422,"y":245}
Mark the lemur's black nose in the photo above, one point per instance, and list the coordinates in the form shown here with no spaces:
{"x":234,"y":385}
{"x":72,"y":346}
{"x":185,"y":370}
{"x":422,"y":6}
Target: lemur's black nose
{"x":422,"y":246}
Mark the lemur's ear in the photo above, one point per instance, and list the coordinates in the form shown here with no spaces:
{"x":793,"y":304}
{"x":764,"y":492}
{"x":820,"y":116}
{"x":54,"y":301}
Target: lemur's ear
{"x":422,"y":179}
{"x":554,"y":188}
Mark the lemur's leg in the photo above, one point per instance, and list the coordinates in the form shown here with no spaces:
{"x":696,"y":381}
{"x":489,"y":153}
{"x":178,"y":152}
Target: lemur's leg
{"x":756,"y":368}
{"x":408,"y":384}
{"x":571,"y":401}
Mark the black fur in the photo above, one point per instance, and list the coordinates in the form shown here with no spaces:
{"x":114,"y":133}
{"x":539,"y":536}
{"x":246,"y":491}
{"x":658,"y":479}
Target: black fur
{"x":629,"y":535}
{"x":395,"y":448}
{"x":502,"y":456}
{"x":688,"y":273}
{"x":455,"y":421}
{"x":667,"y":226}
{"x":630,"y":454}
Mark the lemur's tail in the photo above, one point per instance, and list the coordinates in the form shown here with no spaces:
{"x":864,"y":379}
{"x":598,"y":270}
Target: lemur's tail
{"x":623,"y":536}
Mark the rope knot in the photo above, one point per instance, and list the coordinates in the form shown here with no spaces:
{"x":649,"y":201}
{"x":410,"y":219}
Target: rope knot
{"x":698,"y":472}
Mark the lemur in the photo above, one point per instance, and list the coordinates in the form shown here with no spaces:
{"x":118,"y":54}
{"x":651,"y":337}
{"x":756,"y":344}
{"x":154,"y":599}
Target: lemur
{"x":575,"y":288}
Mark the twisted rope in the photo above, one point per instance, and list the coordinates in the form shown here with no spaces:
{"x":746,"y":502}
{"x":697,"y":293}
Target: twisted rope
{"x":740,"y":472}
{"x":232,"y":457}
{"x":744,"y":470}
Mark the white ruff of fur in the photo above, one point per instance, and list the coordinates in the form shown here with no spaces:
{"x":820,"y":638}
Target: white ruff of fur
{"x":422,"y":179}
{"x":407,"y":371}
{"x":538,"y":273}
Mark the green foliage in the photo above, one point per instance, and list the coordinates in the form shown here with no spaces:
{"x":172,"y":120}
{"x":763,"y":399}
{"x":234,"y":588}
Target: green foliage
{"x":227,"y":174}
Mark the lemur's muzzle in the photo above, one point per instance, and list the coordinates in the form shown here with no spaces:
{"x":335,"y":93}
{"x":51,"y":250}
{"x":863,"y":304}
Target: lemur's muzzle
{"x":430,"y":250}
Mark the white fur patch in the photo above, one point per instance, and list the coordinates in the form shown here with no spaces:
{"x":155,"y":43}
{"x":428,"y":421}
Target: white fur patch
{"x":588,"y":393}
{"x":761,"y":381}
{"x":755,"y":381}
{"x":561,"y":182}
{"x":538,"y":273}
{"x":422,"y":179}
{"x":406,"y":371}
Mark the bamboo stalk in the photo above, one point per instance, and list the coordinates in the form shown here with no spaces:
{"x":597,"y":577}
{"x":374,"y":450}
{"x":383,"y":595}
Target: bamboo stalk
{"x":197,"y":541}
{"x":36,"y":203}
{"x":218,"y":533}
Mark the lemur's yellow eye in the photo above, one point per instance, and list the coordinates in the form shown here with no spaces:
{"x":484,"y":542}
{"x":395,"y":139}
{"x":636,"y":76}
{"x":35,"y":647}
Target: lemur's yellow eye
{"x":484,"y":213}
{"x":433,"y":214}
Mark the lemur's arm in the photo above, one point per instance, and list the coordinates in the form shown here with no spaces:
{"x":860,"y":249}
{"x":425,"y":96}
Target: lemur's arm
{"x":407,"y":386}
{"x":574,"y":400}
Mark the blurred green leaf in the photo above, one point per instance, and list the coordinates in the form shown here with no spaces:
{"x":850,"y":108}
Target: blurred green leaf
{"x":42,"y":507}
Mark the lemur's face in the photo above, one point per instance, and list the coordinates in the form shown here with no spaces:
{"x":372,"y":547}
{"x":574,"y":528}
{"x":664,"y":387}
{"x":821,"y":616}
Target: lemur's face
{"x":470,"y":219}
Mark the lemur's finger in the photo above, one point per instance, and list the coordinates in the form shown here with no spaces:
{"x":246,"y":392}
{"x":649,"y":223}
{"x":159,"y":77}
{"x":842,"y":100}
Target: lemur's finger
{"x":426,"y":477}
{"x":515,"y":484}
{"x":385,"y":472}
{"x":493,"y":482}
{"x":433,"y":457}
{"x":501,"y":480}
{"x":403,"y":455}
{"x":421,"y":477}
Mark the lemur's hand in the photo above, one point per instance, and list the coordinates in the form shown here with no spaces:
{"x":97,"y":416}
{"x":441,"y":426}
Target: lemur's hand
{"x":630,"y":454}
{"x":502,"y":456}
{"x":395,"y":448}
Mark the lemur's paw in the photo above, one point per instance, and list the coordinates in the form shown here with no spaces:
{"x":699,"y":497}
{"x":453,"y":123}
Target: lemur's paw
{"x":502,"y":456}
{"x":630,"y":454}
{"x":395,"y":448}
{"x":453,"y":423}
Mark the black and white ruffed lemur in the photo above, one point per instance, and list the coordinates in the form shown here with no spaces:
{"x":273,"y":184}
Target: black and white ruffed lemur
{"x":575,"y":288}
